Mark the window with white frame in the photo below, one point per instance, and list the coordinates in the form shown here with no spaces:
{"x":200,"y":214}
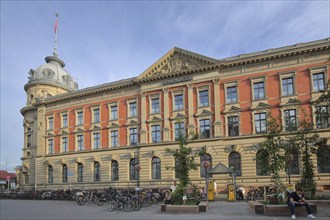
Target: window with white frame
{"x":204,"y":128}
{"x":132,"y":109}
{"x":80,"y":142}
{"x":114,"y":138}
{"x":50,"y":123}
{"x":96,"y":115}
{"x":260,"y":122}
{"x":96,"y":140}
{"x":233,"y":126}
{"x":64,"y":120}
{"x":318,"y":82}
{"x":231,"y":92}
{"x":322,"y":116}
{"x":203,"y":98}
{"x":155,"y":105}
{"x":80,"y":118}
{"x":114,"y":112}
{"x":290,"y":120}
{"x":155,"y":133}
{"x":178,"y":102}
{"x":179,"y":127}
{"x":50,"y":146}
{"x":64,"y":144}
{"x":258,"y":90}
{"x":287,"y":86}
{"x":133,"y":136}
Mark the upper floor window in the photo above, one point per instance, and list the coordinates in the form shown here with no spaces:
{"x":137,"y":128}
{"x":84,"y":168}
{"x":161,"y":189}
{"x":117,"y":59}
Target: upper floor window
{"x":231,"y":94}
{"x":318,"y":82}
{"x":260,"y":122}
{"x":132,"y":109}
{"x":50,"y":146}
{"x":258,"y":90}
{"x":114,"y":138}
{"x":203,"y":98}
{"x":233,"y":126}
{"x":80,"y":142}
{"x":114,"y":112}
{"x":287,"y":86}
{"x":80,"y":118}
{"x":290,"y":120}
{"x":50,"y":123}
{"x":133,"y":136}
{"x":80,"y":173}
{"x":96,"y":140}
{"x":64,"y":121}
{"x":64,"y":144}
{"x":29,"y":141}
{"x":97,"y":171}
{"x":114,"y":170}
{"x":155,"y":131}
{"x":96,"y":115}
{"x":155,"y":106}
{"x":322,"y":116}
{"x":50,"y":174}
{"x":156,"y":168}
{"x":178,"y":102}
{"x":179,"y":127}
{"x":204,"y":128}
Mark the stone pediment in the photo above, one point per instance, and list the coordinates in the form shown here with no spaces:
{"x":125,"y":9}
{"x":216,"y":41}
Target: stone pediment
{"x":155,"y":119}
{"x":132,"y":122}
{"x":176,"y":60}
{"x":233,"y":109}
{"x":291,"y":102}
{"x":204,"y":112}
{"x":113,"y":125}
{"x":261,"y":105}
{"x":178,"y":116}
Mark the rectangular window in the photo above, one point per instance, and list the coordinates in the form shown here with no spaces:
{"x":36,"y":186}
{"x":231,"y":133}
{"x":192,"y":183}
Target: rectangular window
{"x":260,"y":122}
{"x":204,"y":128}
{"x":287,"y":86}
{"x":177,"y":128}
{"x":233,"y":126}
{"x":133,"y":138}
{"x":29,"y":141}
{"x":80,"y":118}
{"x":178,"y":102}
{"x":114,"y":113}
{"x":204,"y":98}
{"x":155,"y":132}
{"x":114,"y":138}
{"x":50,"y":123}
{"x":96,"y":140}
{"x":155,"y":106}
{"x":258,"y":90}
{"x":64,"y":144}
{"x":231,"y":94}
{"x":290,"y":120}
{"x":322,"y":117}
{"x":50,"y":146}
{"x":132,"y":109}
{"x":318,"y":82}
{"x":80,"y":142}
{"x":96,"y":114}
{"x":64,"y":121}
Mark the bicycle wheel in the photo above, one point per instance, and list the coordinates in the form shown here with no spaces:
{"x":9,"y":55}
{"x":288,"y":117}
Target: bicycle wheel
{"x":138,"y":205}
{"x":112,"y":206}
{"x":80,"y":200}
{"x":129,"y":206}
{"x":99,"y":201}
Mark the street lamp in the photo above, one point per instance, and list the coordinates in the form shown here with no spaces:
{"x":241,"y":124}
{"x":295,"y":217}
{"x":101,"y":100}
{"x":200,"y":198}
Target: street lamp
{"x":234,"y":175}
{"x":206,"y":164}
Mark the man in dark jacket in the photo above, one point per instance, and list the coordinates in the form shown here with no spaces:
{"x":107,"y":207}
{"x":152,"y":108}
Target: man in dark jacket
{"x":296,"y":199}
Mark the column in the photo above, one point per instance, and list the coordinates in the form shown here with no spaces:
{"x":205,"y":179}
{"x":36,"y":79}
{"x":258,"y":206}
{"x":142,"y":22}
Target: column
{"x":217,"y":118}
{"x":166,"y":129}
{"x":191,"y":121}
{"x":143,"y":133}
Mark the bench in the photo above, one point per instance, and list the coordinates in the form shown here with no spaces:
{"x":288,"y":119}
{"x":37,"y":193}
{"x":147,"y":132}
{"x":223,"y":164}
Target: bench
{"x":284,"y":210}
{"x":257,"y":207}
{"x":177,"y":209}
{"x":203,"y":206}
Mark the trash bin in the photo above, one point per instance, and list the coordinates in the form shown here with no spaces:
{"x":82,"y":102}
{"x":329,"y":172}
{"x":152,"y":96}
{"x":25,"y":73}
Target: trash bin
{"x":231,"y":192}
{"x":210,"y":189}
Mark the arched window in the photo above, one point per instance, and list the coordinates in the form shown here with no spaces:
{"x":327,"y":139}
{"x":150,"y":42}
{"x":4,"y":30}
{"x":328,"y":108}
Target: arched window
{"x":50,"y":174}
{"x":156,"y":168}
{"x":261,"y":161}
{"x":80,"y":173}
{"x":294,"y":163}
{"x":97,"y":172}
{"x":132,"y":169}
{"x":234,"y":162}
{"x":65,"y":173}
{"x":176,"y":168}
{"x":323,"y":158}
{"x":114,"y":171}
{"x":205,"y":158}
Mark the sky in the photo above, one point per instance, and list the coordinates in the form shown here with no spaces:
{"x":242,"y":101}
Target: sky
{"x":105,"y":41}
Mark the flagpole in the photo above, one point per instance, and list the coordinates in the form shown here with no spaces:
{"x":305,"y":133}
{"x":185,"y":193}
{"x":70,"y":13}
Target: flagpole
{"x":56,"y":25}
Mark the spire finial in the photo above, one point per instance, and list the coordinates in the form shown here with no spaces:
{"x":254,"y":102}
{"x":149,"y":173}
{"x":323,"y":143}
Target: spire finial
{"x":56,"y":25}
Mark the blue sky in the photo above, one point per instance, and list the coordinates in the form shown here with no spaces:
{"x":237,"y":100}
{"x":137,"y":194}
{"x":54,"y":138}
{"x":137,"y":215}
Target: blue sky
{"x":104,"y":41}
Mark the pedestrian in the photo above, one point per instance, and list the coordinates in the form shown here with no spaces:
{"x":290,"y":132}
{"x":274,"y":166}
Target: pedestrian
{"x":296,"y":199}
{"x":173,"y":187}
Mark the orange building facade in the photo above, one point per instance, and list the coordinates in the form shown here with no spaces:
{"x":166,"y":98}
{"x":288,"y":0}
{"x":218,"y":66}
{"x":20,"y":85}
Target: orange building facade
{"x":117,"y":133}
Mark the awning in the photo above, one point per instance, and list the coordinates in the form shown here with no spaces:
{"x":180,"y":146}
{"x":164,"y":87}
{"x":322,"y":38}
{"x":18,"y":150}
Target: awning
{"x":220,"y":168}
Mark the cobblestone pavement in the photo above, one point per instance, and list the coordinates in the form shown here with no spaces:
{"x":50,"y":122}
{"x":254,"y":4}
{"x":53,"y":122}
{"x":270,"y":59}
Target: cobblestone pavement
{"x":44,"y":209}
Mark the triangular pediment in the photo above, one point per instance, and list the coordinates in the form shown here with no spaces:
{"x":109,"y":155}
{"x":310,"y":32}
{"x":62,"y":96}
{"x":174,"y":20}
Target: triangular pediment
{"x":233,"y":109}
{"x":113,"y":125}
{"x":204,"y":112}
{"x":178,"y":116}
{"x":155,"y":119}
{"x":261,"y":105}
{"x":177,"y":60}
{"x":291,"y":102}
{"x":132,"y":122}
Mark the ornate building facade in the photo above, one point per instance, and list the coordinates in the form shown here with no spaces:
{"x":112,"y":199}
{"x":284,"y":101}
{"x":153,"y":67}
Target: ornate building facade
{"x":116,"y":133}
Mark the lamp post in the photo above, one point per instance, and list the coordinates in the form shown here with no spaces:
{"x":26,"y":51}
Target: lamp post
{"x":206,"y":164}
{"x":234,"y":175}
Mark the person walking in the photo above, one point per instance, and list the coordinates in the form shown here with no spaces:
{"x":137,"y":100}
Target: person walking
{"x":296,"y":199}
